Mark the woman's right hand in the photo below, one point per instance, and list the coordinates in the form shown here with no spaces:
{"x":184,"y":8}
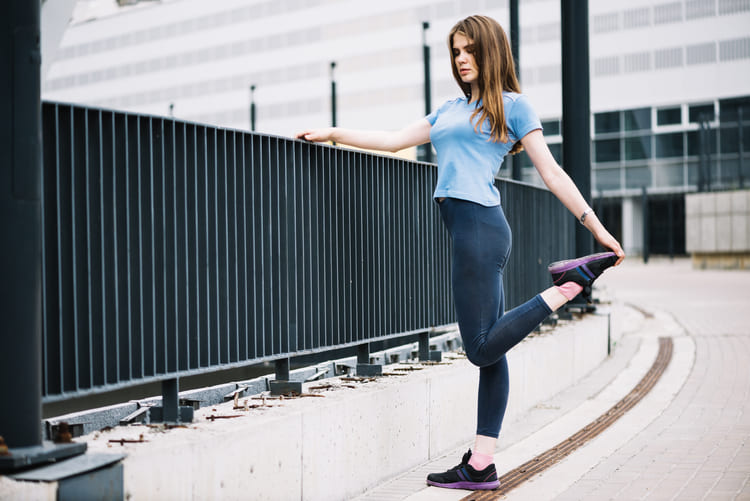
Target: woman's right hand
{"x":316,"y":135}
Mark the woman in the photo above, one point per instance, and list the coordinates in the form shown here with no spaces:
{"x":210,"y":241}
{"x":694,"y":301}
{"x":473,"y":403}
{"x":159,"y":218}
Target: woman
{"x":472,"y":135}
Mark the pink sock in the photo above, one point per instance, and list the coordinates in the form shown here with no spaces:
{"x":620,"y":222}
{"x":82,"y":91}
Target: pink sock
{"x":480,"y":461}
{"x":569,"y":290}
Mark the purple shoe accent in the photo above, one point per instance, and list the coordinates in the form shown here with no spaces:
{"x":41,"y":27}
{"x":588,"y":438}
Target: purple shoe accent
{"x":474,"y":486}
{"x":586,"y":269}
{"x":561,"y":266}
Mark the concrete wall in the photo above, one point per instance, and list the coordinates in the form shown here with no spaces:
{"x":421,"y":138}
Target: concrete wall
{"x":717,"y":229}
{"x":339,"y":445}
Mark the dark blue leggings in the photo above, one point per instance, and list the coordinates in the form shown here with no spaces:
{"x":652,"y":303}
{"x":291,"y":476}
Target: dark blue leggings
{"x":481,"y":245}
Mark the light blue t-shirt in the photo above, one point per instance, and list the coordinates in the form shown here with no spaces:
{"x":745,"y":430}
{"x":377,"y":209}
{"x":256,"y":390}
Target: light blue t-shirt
{"x":467,"y":160}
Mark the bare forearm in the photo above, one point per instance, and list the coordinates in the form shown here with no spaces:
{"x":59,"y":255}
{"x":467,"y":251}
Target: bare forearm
{"x":367,"y":139}
{"x":412,"y":135}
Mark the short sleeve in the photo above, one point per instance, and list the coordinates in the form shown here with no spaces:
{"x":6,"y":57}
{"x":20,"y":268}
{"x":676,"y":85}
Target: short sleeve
{"x":432,"y":117}
{"x":522,"y":118}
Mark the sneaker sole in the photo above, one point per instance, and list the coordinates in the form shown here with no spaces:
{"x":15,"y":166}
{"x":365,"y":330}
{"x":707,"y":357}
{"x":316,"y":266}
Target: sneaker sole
{"x":473,"y":486}
{"x":570,"y":264}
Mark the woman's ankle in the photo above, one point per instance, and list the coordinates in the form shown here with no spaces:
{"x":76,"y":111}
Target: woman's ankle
{"x":569,"y":289}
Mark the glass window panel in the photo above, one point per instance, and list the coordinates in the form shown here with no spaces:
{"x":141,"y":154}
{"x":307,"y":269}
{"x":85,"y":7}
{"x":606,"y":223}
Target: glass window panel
{"x":702,"y":111}
{"x":746,"y":138}
{"x":556,"y":150}
{"x":607,"y":122}
{"x":551,"y":127}
{"x":607,"y":150}
{"x":694,"y":142}
{"x":637,"y":148}
{"x":637,"y":177}
{"x":639,"y":119}
{"x":607,"y":179}
{"x":729,"y":138}
{"x":668,"y":145}
{"x":668,"y":174}
{"x":524,"y":158}
{"x":669,"y":116}
{"x":728,"y":109}
{"x":693,"y":172}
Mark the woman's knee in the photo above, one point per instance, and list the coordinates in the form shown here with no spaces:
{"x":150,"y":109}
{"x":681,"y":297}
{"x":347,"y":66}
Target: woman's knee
{"x":476,"y":357}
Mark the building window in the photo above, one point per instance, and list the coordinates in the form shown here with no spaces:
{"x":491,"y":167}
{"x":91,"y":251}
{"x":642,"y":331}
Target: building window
{"x":556,"y":150}
{"x":607,"y":150}
{"x":729,"y":140}
{"x":639,"y":119}
{"x":669,"y":145}
{"x":551,"y":127}
{"x":669,"y":116}
{"x":638,"y":177}
{"x":695,"y":141}
{"x":699,"y":112}
{"x":607,"y":122}
{"x":728,"y":109}
{"x":637,"y":148}
{"x":607,"y":179}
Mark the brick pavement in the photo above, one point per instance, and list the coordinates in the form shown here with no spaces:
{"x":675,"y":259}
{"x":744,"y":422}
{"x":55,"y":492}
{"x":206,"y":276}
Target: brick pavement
{"x":699,"y":447}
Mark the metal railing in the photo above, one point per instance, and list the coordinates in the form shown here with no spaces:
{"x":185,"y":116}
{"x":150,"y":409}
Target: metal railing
{"x":173,"y":248}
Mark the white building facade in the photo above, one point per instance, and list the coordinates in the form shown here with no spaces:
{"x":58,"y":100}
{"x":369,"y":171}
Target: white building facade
{"x":669,"y":80}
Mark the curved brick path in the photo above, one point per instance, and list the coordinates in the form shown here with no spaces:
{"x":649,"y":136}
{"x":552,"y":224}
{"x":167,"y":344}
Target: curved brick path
{"x":699,"y":447}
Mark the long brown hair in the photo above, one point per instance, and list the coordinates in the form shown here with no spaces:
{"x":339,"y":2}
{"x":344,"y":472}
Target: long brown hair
{"x":497,"y":72}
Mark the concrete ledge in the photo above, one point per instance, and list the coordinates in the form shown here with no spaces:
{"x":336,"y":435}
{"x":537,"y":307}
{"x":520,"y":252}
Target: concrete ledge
{"x":337,"y":446}
{"x":721,"y":261}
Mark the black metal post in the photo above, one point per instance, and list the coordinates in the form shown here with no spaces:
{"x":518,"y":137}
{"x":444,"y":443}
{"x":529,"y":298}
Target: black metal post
{"x":20,"y":225}
{"x":170,"y":400}
{"x":333,"y":97}
{"x":515,"y":37}
{"x":427,"y":147}
{"x":171,"y":110}
{"x":742,"y":149}
{"x":646,"y":243}
{"x":252,"y":108}
{"x":670,"y":225}
{"x":515,"y":47}
{"x":576,"y":128}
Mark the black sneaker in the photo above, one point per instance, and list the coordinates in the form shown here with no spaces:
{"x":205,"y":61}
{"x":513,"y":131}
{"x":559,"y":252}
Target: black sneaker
{"x":582,"y":271}
{"x":464,"y":476}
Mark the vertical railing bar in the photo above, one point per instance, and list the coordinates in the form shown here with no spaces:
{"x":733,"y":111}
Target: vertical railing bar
{"x":45,"y":326}
{"x":116,"y":256}
{"x":337,"y":225}
{"x":242,"y":169}
{"x":236,"y":252}
{"x":175,"y":221}
{"x":163,"y":203}
{"x":226,"y":243}
{"x":188,"y":323}
{"x":208,"y":243}
{"x":306,"y":165}
{"x":139,"y":168}
{"x":43,"y":219}
{"x":74,"y":247}
{"x":152,"y":210}
{"x":129,"y":249}
{"x":291,"y":254}
{"x":250,"y":158}
{"x":217,"y":167}
{"x":278,"y":279}
{"x":260,"y":205}
{"x":87,"y":167}
{"x":105,"y":330}
{"x":60,"y":268}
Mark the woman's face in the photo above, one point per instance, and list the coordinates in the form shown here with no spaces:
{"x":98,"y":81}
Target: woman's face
{"x":463,"y":57}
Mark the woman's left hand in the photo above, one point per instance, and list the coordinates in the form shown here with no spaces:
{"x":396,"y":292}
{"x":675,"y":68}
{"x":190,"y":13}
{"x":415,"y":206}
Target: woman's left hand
{"x":609,"y":242}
